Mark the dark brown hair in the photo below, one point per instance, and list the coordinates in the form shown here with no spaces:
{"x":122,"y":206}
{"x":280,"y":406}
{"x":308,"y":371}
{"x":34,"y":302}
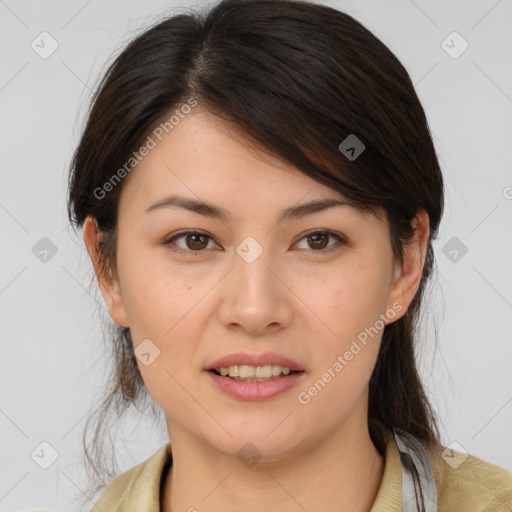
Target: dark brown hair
{"x":298,"y":78}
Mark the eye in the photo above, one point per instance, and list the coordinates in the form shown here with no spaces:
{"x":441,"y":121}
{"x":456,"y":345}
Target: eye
{"x":318,"y":240}
{"x":195,"y":241}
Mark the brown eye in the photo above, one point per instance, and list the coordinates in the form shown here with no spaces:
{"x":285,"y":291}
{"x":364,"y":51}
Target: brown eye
{"x":318,"y":241}
{"x":194,"y":242}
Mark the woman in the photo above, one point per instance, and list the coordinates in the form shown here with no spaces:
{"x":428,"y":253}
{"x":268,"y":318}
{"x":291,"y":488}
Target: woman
{"x":259,"y":191}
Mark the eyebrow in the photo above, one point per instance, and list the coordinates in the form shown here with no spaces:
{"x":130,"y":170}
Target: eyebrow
{"x":210,"y":210}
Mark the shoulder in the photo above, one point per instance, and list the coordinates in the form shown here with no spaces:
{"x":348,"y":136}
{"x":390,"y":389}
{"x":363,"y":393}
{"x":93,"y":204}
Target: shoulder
{"x":136,"y":488}
{"x":115,"y":493}
{"x":468,"y":483}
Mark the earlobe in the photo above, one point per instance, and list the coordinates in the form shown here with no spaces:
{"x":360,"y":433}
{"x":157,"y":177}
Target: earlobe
{"x":408,"y":276}
{"x":109,"y":286}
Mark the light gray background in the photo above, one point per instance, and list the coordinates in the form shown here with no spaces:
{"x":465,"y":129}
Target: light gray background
{"x":52,"y":366}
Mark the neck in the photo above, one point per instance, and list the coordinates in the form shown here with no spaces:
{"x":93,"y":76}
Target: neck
{"x":342,"y":472}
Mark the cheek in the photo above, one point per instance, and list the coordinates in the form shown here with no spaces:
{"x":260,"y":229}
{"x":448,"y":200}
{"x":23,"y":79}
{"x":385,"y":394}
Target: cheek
{"x":347,"y":347}
{"x":349,"y":299}
{"x":156,"y":294}
{"x":167,"y":311}
{"x":349,"y":302}
{"x":162,"y":306}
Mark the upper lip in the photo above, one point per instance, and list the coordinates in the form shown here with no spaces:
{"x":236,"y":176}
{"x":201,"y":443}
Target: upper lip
{"x":246,"y":358}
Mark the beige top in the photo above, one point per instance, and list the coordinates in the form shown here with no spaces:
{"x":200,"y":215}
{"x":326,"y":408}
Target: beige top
{"x":463,"y":484}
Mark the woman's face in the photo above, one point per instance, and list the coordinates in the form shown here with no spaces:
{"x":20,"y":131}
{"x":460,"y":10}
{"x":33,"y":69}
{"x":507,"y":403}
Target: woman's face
{"x":252,"y":282}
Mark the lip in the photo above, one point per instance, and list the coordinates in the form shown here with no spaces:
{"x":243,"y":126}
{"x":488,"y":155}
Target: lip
{"x":248,"y":359}
{"x":255,"y":391}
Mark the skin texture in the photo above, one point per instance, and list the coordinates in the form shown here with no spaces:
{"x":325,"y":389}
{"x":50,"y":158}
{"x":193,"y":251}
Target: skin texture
{"x":306,"y":305}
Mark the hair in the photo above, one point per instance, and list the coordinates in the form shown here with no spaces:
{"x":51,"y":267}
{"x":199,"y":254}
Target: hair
{"x":298,"y":78}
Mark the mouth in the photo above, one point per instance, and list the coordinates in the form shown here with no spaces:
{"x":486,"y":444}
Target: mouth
{"x":254,"y":377}
{"x":250,"y":385}
{"x":248,"y":373}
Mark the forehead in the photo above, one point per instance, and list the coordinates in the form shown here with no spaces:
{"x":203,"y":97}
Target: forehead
{"x":205,"y":157}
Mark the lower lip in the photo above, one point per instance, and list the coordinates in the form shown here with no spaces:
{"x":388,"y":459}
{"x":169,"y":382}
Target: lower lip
{"x":255,"y":390}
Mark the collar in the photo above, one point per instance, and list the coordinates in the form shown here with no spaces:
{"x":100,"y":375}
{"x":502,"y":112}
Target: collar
{"x":140,"y":488}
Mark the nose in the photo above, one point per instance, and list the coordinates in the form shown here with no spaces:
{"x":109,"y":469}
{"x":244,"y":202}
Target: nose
{"x":254,"y":296}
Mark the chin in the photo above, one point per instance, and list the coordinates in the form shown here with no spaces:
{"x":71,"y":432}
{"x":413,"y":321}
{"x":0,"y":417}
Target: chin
{"x":266,"y":441}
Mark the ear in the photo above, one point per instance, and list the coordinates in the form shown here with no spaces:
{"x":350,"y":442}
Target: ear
{"x":408,"y":276}
{"x":109,"y":285}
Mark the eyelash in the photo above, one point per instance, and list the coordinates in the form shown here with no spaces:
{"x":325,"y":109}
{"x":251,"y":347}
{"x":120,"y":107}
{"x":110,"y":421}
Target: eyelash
{"x":197,"y":253}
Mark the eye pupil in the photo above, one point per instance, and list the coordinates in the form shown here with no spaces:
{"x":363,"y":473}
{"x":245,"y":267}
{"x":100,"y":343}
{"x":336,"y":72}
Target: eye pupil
{"x":317,"y":236}
{"x":201,"y":246}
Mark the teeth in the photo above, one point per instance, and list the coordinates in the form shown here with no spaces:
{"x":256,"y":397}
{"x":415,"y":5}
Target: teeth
{"x":247,"y":372}
{"x":253,"y":373}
